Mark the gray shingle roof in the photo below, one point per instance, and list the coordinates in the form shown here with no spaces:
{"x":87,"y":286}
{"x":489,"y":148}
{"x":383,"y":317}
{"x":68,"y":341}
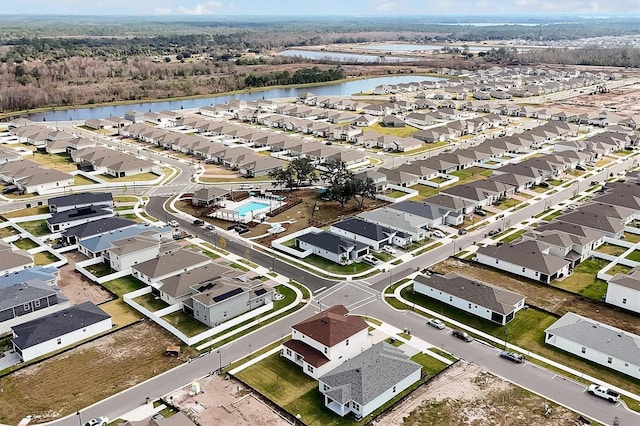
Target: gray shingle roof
{"x":528,"y":254}
{"x":98,"y":227}
{"x":330,"y":242}
{"x":476,"y":292}
{"x":370,"y":373}
{"x":78,"y":214}
{"x":601,"y":337}
{"x":57,"y":324}
{"x":80,"y":198}
{"x":19,"y":294}
{"x":169,"y":263}
{"x":364,"y":228}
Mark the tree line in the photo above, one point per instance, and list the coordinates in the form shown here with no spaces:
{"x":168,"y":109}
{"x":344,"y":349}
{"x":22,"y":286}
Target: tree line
{"x":301,"y":76}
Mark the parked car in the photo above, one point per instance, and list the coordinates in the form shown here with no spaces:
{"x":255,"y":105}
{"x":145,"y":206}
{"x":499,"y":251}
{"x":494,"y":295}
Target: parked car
{"x":389,"y":249}
{"x":436,"y":323}
{"x":438,"y":234}
{"x":544,"y":184}
{"x":512,"y":356}
{"x":198,"y":222}
{"x":461,"y":335}
{"x":173,"y":223}
{"x":494,"y":232}
{"x":481,"y":212}
{"x":604,"y":392}
{"x":10,"y":189}
{"x":370,"y":259}
{"x":582,"y":169}
{"x":98,"y":421}
{"x":462,"y":231}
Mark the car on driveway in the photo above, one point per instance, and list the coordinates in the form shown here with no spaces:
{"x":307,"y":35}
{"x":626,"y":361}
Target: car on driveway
{"x":481,"y":212}
{"x":461,"y":335}
{"x":512,"y":356}
{"x":438,"y":234}
{"x":370,"y":259}
{"x":98,"y":421}
{"x":436,"y":323}
{"x":494,"y":232}
{"x":389,"y":249}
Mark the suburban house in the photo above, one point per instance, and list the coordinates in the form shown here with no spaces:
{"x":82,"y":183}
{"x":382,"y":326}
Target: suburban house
{"x":209,"y":196}
{"x":528,"y":258}
{"x":326,"y":340}
{"x":408,"y":227}
{"x":623,"y":290}
{"x":69,"y":218}
{"x":126,"y":252}
{"x":80,"y":200}
{"x":331,"y":246}
{"x":369,"y":380}
{"x":28,"y":300}
{"x":94,"y":228}
{"x":98,"y":245}
{"x":478,"y":298}
{"x":178,"y":288}
{"x":13,"y":260}
{"x":375,"y":236}
{"x":154,"y":270}
{"x":596,"y":342}
{"x":58,"y":330}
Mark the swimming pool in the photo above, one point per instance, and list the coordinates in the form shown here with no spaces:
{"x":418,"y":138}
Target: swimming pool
{"x":249,"y":207}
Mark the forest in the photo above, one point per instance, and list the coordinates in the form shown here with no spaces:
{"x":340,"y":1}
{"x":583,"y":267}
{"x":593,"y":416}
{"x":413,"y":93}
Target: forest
{"x":53,"y":61}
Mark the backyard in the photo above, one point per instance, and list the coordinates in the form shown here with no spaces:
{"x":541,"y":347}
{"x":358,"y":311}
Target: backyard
{"x":583,"y":279}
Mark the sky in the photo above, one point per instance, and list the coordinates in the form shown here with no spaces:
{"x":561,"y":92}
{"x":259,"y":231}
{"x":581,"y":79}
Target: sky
{"x":318,"y":8}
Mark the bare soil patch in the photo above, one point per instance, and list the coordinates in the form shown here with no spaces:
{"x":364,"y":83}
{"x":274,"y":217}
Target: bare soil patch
{"x":466,"y":394}
{"x":543,"y":296}
{"x":78,"y":288}
{"x":86,"y":374}
{"x":225,"y":402}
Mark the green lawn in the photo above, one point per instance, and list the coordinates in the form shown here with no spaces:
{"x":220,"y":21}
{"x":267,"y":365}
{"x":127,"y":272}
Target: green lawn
{"x":383,"y":256}
{"x":632,"y":238}
{"x":429,"y":364}
{"x":151,"y":302}
{"x":334,"y":268}
{"x":634,"y":255}
{"x":27,"y":212}
{"x":99,"y":269}
{"x":403,"y":132}
{"x":549,"y":217}
{"x":424,"y":191}
{"x":507,"y":203}
{"x":513,"y":236}
{"x":61,"y":161}
{"x":37,"y":228}
{"x":79,"y":180}
{"x":124,"y":285}
{"x":583,"y":280}
{"x":618,"y":269}
{"x":25,"y":244}
{"x":43,"y":258}
{"x":611,"y":249}
{"x":289,"y":297}
{"x":133,"y":178}
{"x":185,"y":323}
{"x":395,"y":194}
{"x":472,"y":173}
{"x":8,"y":231}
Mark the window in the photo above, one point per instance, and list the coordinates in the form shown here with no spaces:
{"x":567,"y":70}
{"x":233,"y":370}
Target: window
{"x":450,"y":298}
{"x":289,"y":352}
{"x":624,"y":300}
{"x":59,"y":341}
{"x":394,"y":389}
{"x":36,"y":303}
{"x":524,"y":269}
{"x":325,"y":387}
{"x":584,"y":350}
{"x":26,"y":307}
{"x":497,"y":261}
{"x":469,"y":305}
{"x":309,"y":368}
{"x":609,"y":360}
{"x":536,"y":273}
{"x":325,"y":349}
{"x":347,"y":342}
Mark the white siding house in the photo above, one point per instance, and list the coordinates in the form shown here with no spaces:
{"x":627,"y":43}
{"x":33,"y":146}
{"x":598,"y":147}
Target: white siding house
{"x":623,"y":290}
{"x":596,"y":342}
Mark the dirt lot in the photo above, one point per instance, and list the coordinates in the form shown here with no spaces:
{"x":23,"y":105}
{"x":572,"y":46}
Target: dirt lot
{"x":624,"y":102}
{"x":75,"y":286}
{"x":543,"y":296}
{"x":68,"y":381}
{"x":225,"y":402}
{"x":467,"y":395}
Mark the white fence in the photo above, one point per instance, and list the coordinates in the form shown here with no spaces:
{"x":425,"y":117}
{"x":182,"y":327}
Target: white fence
{"x":409,"y":193}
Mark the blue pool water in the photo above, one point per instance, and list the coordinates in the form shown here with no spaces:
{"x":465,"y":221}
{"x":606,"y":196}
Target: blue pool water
{"x":250,"y":206}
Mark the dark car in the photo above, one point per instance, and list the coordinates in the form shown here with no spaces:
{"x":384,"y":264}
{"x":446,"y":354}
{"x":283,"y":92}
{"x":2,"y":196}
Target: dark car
{"x":198,"y":222}
{"x":494,"y":232}
{"x":462,"y":231}
{"x":461,"y":335}
{"x":10,"y":189}
{"x":512,"y":356}
{"x":582,"y":169}
{"x":544,"y":184}
{"x":481,"y":212}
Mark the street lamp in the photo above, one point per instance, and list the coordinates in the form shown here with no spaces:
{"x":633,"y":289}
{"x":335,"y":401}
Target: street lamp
{"x":79,"y":418}
{"x":219,"y":352}
{"x":505,"y":340}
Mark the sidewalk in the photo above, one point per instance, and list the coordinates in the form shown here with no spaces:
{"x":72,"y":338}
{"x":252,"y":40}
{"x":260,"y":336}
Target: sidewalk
{"x":501,"y":342}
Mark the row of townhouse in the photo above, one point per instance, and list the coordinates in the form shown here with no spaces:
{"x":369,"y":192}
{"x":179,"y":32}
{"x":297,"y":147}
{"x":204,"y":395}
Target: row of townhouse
{"x":112,"y":162}
{"x":30,"y":177}
{"x":47,"y":139}
{"x":552,"y":250}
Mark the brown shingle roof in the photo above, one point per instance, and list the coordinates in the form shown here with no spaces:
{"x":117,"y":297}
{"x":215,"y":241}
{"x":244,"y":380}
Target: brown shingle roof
{"x":310,"y":355}
{"x":331,"y":326}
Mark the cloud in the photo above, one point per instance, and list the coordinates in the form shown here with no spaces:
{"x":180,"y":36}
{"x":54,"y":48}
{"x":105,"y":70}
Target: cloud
{"x":384,"y":5}
{"x":205,"y":8}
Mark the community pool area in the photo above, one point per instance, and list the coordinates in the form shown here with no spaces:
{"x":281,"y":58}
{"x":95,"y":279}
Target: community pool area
{"x":251,"y":207}
{"x":254,"y":208}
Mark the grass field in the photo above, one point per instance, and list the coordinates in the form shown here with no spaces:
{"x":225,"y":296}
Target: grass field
{"x":334,"y":268}
{"x":403,"y":132}
{"x":133,"y":178}
{"x":27,"y":212}
{"x":185,"y":323}
{"x":79,"y":180}
{"x":124,"y":285}
{"x":634,"y":256}
{"x":8,"y":231}
{"x":611,"y":249}
{"x":25,"y":244}
{"x":37,"y":228}
{"x":61,"y":162}
{"x":583,"y":280}
{"x":632,"y":238}
{"x":43,"y":258}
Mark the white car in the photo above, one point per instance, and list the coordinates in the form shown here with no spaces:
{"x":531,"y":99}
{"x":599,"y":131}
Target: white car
{"x":438,"y":234}
{"x":371,"y":260}
{"x":436,"y":323}
{"x":173,"y":223}
{"x":389,"y":249}
{"x":98,"y":421}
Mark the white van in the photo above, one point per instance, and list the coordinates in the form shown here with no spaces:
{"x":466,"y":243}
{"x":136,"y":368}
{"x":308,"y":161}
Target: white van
{"x":371,"y":260}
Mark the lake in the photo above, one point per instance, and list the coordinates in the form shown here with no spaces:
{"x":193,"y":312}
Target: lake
{"x":344,"y":57}
{"x":337,"y":89}
{"x":413,"y":47}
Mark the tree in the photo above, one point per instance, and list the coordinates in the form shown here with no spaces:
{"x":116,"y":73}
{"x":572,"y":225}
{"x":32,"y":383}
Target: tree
{"x":341,"y":186}
{"x":364,"y":188}
{"x":282,"y":177}
{"x":302,"y":169}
